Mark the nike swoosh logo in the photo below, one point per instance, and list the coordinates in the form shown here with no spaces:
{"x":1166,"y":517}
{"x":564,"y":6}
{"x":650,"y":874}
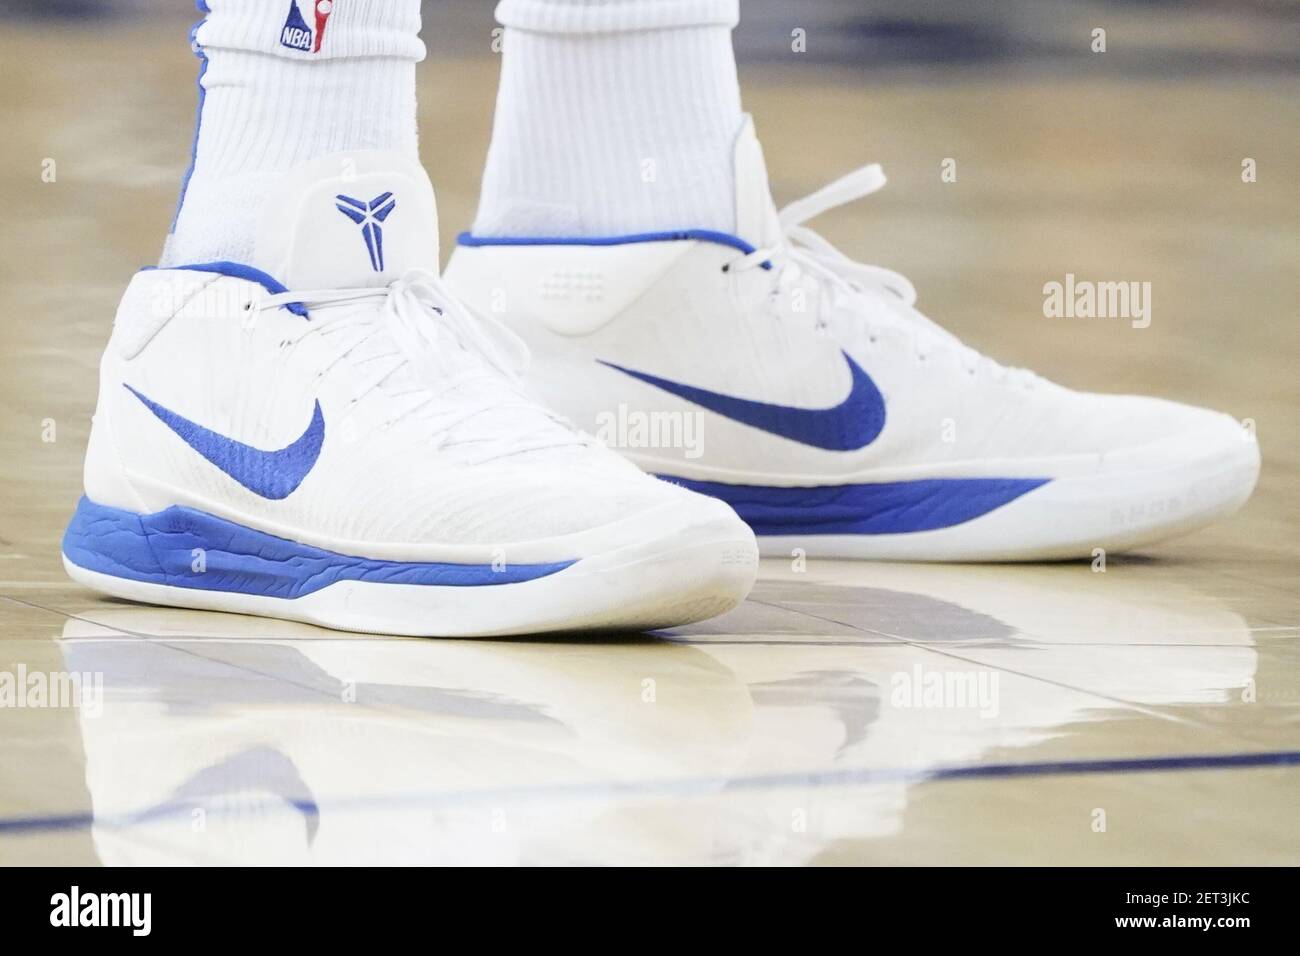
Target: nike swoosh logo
{"x":271,"y":474}
{"x":852,"y":424}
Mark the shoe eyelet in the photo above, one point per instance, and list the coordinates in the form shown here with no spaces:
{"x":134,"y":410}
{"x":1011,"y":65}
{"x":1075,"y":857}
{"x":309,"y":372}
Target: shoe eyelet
{"x":726,"y":267}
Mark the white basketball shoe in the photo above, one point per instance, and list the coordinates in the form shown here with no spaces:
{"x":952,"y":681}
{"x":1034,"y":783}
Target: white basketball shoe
{"x":769,"y":370}
{"x":358,"y":452}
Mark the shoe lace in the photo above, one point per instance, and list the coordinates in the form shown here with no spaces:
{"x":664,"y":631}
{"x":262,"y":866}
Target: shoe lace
{"x":436,"y":362}
{"x":800,"y":251}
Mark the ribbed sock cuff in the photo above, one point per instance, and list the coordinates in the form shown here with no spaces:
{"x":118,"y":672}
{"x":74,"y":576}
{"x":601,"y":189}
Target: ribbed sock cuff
{"x":345,"y":28}
{"x":614,"y":16}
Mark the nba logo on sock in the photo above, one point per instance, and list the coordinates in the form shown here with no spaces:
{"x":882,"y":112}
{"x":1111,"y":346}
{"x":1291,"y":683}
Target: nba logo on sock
{"x":297,"y":35}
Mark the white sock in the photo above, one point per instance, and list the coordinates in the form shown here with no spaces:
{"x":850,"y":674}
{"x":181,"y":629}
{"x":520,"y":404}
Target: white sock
{"x":613,"y":117}
{"x":267,"y":104}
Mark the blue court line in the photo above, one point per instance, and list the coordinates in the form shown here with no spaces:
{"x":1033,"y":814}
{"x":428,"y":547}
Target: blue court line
{"x":701,"y":786}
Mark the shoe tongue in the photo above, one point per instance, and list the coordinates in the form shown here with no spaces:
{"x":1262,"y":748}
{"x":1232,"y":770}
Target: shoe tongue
{"x":349,"y":220}
{"x":756,"y":218}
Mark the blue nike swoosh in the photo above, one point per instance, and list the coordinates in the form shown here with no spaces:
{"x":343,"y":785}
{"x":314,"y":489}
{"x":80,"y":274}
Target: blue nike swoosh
{"x":852,"y":424}
{"x":271,"y":474}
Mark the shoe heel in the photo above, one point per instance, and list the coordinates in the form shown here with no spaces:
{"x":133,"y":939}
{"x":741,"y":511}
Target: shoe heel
{"x":111,"y":541}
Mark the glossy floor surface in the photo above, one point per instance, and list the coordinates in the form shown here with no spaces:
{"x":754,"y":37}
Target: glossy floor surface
{"x":847,"y":713}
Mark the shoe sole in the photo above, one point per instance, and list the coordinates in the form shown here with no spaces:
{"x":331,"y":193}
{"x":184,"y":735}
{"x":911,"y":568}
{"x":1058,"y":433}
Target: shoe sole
{"x":182,"y":557}
{"x":993,"y":519}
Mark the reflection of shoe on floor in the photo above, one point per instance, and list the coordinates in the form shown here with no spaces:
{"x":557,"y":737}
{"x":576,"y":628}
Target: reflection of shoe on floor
{"x":331,"y":438}
{"x":1127,"y":637}
{"x":830,"y":413}
{"x":1058,"y":604}
{"x":337,"y":750}
{"x":1016,"y":664}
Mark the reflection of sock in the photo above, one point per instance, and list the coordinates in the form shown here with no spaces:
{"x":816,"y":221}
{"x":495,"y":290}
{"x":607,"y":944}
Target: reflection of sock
{"x":613,"y":117}
{"x":270,"y":100}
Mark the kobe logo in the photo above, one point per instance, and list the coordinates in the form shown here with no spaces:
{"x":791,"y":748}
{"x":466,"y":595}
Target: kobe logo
{"x":369,"y":216}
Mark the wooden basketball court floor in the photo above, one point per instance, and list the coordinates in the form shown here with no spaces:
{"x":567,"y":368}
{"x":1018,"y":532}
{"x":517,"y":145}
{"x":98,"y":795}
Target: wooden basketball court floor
{"x":1147,"y":713}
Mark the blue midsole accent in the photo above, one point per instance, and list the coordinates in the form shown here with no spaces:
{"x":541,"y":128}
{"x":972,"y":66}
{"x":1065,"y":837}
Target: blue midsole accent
{"x":186,"y":548}
{"x":891,"y":507}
